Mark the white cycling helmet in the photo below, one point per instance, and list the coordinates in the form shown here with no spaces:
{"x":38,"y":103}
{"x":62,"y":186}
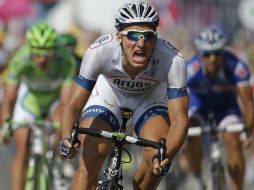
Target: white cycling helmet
{"x":210,"y":39}
{"x":136,"y":13}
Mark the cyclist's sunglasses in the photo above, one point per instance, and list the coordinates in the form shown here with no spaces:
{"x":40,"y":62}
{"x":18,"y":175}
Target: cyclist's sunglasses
{"x":209,"y":53}
{"x":37,"y":52}
{"x":135,"y":35}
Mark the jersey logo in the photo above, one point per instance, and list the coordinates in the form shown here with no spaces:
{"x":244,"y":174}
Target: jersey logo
{"x":193,"y":68}
{"x":172,"y":48}
{"x":104,"y":39}
{"x":240,"y":71}
{"x":132,"y":86}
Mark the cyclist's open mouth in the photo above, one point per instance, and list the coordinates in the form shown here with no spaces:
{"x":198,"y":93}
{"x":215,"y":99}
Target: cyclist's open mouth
{"x":139,"y":57}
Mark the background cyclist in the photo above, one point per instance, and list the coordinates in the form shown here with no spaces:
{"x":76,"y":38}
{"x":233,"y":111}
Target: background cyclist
{"x":135,"y":69}
{"x":69,"y":41}
{"x":39,"y":73}
{"x":216,"y":78}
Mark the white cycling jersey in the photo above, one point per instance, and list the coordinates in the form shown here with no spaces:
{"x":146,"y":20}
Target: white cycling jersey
{"x":164,"y":77}
{"x":105,"y":57}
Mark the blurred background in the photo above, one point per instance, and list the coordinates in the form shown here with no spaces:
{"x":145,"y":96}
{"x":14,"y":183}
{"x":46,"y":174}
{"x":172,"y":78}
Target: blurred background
{"x":181,"y":21}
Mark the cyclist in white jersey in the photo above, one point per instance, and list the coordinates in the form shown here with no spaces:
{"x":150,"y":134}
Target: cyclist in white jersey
{"x":137,"y":70}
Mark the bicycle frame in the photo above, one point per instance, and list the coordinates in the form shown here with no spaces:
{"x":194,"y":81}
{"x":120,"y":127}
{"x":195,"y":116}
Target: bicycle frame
{"x":217,"y":169}
{"x":112,"y":175}
{"x":112,"y":172}
{"x":38,"y":173}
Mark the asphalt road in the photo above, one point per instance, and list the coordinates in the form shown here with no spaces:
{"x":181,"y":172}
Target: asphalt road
{"x":7,"y":152}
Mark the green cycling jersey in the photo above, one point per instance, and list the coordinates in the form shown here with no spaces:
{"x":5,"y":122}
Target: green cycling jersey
{"x":43,"y":85}
{"x":61,"y":70}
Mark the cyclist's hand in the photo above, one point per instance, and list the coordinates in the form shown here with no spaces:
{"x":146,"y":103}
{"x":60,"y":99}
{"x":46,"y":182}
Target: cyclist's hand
{"x":247,"y":138}
{"x":68,"y":151}
{"x":248,"y":141}
{"x":6,"y":133}
{"x":163,"y":168}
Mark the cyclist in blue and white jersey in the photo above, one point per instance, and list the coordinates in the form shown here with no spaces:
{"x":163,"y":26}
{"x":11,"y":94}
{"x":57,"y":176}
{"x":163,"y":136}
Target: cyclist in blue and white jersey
{"x":216,"y":79}
{"x":132,"y":68}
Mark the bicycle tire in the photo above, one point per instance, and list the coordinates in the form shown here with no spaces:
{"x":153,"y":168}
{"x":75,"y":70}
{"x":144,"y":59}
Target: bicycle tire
{"x":109,"y":185}
{"x":218,"y":177}
{"x":32,"y":174}
{"x":43,"y":176}
{"x":36,"y":175}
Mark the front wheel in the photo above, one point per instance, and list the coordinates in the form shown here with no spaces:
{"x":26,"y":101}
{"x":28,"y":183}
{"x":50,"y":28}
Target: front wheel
{"x":218,"y":177}
{"x":36,"y":175}
{"x":108,"y":185}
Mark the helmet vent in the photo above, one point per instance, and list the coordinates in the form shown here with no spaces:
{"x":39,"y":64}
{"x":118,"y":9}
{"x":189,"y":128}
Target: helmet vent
{"x":141,"y":10}
{"x":149,"y":11}
{"x":126,"y":11}
{"x":135,"y":11}
{"x":123,"y":15}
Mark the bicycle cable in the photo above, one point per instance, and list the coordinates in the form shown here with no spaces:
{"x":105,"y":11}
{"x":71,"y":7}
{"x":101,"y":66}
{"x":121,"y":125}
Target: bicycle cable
{"x":128,"y":153}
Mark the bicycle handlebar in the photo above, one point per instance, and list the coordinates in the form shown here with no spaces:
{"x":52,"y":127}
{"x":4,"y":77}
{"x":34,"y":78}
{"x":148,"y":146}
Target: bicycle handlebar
{"x":198,"y":130}
{"x":110,"y":135}
{"x":121,"y":137}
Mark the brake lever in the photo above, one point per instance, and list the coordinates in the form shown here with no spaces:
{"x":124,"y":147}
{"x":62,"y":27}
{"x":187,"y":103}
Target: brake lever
{"x":74,"y":134}
{"x":162,"y":154}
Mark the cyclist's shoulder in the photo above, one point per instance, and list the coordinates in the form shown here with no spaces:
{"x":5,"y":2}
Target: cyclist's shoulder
{"x":232,"y":63}
{"x":62,"y":52}
{"x":194,"y":66}
{"x":105,"y":41}
{"x":22,"y":52}
{"x":21,"y":56}
{"x":167,"y":49}
{"x":64,"y":56}
{"x":230,"y":56}
{"x":194,"y":59}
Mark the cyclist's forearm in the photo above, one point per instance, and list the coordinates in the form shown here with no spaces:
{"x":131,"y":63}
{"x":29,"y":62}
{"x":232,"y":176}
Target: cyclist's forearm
{"x":178,"y":114}
{"x":246,"y":98}
{"x":67,"y":119}
{"x":249,"y":118}
{"x":7,"y":110}
{"x":72,"y":110}
{"x":176,"y":136}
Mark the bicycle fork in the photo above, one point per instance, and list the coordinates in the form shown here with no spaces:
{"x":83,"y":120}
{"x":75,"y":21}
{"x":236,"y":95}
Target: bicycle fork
{"x":36,"y":175}
{"x":36,"y":178}
{"x":112,"y":173}
{"x":217,"y":169}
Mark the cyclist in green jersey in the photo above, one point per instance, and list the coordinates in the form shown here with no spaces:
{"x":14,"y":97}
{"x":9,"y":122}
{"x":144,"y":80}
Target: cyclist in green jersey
{"x":39,"y":79}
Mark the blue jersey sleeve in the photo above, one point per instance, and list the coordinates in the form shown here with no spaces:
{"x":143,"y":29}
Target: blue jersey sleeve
{"x":193,"y":70}
{"x":241,"y":73}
